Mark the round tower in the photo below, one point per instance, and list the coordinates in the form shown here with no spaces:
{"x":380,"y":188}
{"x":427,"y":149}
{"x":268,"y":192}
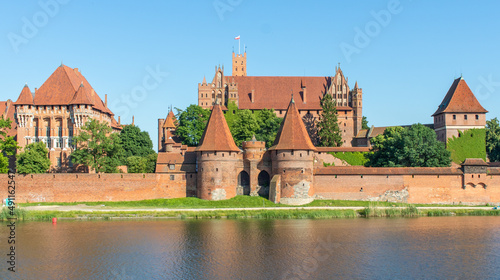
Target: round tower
{"x":217,"y":159}
{"x":292,"y":157}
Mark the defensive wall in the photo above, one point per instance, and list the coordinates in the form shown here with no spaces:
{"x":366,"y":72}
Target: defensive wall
{"x":476,"y":185}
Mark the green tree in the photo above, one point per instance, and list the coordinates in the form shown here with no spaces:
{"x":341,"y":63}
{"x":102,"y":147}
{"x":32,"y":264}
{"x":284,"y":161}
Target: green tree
{"x":8,"y":145}
{"x":230,"y":115}
{"x":364,"y":123}
{"x":97,"y":147}
{"x":192,"y":123}
{"x":269,"y":125}
{"x":328,"y":124}
{"x":136,"y":142}
{"x":33,"y":159}
{"x":493,"y":139}
{"x":416,"y":146}
{"x":244,"y":127}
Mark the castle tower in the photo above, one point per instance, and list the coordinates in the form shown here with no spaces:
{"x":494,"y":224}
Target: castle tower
{"x":217,"y":90}
{"x":24,"y":113}
{"x":253,"y":152}
{"x":357,"y":108}
{"x":167,"y":133}
{"x":458,"y":111}
{"x":217,"y":157}
{"x":240,"y":64}
{"x":292,"y":158}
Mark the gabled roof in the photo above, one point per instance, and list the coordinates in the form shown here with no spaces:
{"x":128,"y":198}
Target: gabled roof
{"x":459,"y":99}
{"x":80,"y":97}
{"x":25,"y":98}
{"x":170,"y":120}
{"x":7,"y":110}
{"x":217,"y":136}
{"x":61,"y":86}
{"x":292,"y":134}
{"x":474,"y":162}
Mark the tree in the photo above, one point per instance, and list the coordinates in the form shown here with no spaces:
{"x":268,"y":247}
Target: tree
{"x":493,"y":139}
{"x":269,"y":125}
{"x":230,"y":115}
{"x":192,"y":123}
{"x":416,"y":146}
{"x":328,"y":125}
{"x":33,"y":159}
{"x":8,"y":145}
{"x":244,"y":127}
{"x":364,"y":123}
{"x":97,"y":147}
{"x":137,"y":164}
{"x":136,"y":142}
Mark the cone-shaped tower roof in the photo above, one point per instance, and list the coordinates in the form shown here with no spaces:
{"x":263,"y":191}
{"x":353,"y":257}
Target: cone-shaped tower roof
{"x":460,"y":99}
{"x":292,"y":134}
{"x":217,"y":136}
{"x":80,"y":96}
{"x":25,"y":98}
{"x":170,"y":120}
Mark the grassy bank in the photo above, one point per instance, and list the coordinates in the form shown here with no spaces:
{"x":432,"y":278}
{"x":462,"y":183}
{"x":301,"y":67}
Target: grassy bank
{"x":367,"y":212}
{"x":235,"y":202}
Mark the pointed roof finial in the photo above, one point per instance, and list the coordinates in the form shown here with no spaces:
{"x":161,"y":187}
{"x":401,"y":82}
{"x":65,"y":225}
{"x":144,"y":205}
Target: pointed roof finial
{"x":356,"y":85}
{"x":339,"y":65}
{"x":292,"y":101}
{"x":61,"y":63}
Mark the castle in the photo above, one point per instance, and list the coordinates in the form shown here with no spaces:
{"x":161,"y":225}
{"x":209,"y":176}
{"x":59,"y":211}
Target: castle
{"x":55,"y":112}
{"x":265,"y":92}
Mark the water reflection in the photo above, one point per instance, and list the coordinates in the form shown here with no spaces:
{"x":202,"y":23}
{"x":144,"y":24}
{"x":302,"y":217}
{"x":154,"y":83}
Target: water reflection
{"x":441,"y":247}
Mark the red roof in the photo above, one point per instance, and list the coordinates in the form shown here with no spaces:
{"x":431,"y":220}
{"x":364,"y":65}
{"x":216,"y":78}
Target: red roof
{"x":80,"y":97}
{"x":292,"y":134}
{"x":61,"y":86}
{"x":170,"y":120}
{"x":274,"y":92}
{"x":25,"y":98}
{"x":7,"y":110}
{"x":361,"y":170}
{"x":217,"y":136}
{"x":474,"y":162}
{"x":460,"y":99}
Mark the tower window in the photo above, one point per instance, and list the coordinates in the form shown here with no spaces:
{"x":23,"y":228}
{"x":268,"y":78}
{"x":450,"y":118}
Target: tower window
{"x":454,"y":117}
{"x":465,"y":117}
{"x":477,"y":117}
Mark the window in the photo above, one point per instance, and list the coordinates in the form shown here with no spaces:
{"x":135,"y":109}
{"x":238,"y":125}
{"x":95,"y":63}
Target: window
{"x":58,"y":162}
{"x":465,"y":117}
{"x":477,"y":117}
{"x":454,"y":117}
{"x":172,"y":177}
{"x":171,"y":166}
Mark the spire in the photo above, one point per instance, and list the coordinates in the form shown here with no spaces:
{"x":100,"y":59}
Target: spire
{"x":292,"y":134}
{"x":217,"y":136}
{"x":80,"y":97}
{"x":204,"y":81}
{"x":169,"y":120}
{"x":25,"y":98}
{"x":356,"y":85}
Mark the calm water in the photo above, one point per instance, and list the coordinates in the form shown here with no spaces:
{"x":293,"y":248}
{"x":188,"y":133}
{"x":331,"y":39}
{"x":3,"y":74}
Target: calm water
{"x":430,"y":248}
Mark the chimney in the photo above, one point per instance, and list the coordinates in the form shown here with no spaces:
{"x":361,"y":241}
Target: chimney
{"x":252,"y":96}
{"x":304,"y":94}
{"x":133,"y":120}
{"x":106,"y":100}
{"x":36,"y":90}
{"x":119,"y":121}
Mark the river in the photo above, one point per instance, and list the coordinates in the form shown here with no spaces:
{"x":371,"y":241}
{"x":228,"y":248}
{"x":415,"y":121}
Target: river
{"x":377,"y":248}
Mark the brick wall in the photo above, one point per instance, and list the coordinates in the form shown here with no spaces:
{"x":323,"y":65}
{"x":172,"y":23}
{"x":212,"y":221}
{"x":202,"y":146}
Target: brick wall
{"x":70,"y":187}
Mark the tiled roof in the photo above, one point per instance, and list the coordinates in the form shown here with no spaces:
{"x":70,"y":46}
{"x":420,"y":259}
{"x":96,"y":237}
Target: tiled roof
{"x":61,"y":86}
{"x":7,"y":110}
{"x":172,"y":158}
{"x":25,"y":98}
{"x":80,"y":97}
{"x":170,"y":120}
{"x":342,"y":149}
{"x":361,"y":170}
{"x":217,"y":136}
{"x":115,"y":125}
{"x":460,"y":99}
{"x":292,"y":134}
{"x":274,"y":92}
{"x":474,"y":162}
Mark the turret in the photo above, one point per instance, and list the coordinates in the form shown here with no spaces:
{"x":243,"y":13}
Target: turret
{"x":292,"y":159}
{"x":357,"y":107}
{"x":240,"y":64}
{"x":217,"y":157}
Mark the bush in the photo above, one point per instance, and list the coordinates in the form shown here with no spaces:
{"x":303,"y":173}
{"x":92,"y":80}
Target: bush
{"x":351,"y":158}
{"x":469,"y":144}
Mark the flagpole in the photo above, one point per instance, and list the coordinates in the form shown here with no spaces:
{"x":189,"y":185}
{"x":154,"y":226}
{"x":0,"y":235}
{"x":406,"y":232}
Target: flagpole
{"x":239,"y":51}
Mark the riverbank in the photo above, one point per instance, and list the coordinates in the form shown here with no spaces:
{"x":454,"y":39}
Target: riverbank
{"x":240,"y":207}
{"x":38,"y":213}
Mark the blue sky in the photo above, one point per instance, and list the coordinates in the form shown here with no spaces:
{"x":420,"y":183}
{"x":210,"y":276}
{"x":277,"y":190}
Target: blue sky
{"x":404,"y":54}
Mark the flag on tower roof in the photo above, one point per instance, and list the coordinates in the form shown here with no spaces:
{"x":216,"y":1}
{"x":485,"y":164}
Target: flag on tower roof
{"x":237,"y":37}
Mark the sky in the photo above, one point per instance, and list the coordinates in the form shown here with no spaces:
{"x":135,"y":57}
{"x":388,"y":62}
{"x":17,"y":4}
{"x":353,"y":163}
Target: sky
{"x":150,"y":55}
